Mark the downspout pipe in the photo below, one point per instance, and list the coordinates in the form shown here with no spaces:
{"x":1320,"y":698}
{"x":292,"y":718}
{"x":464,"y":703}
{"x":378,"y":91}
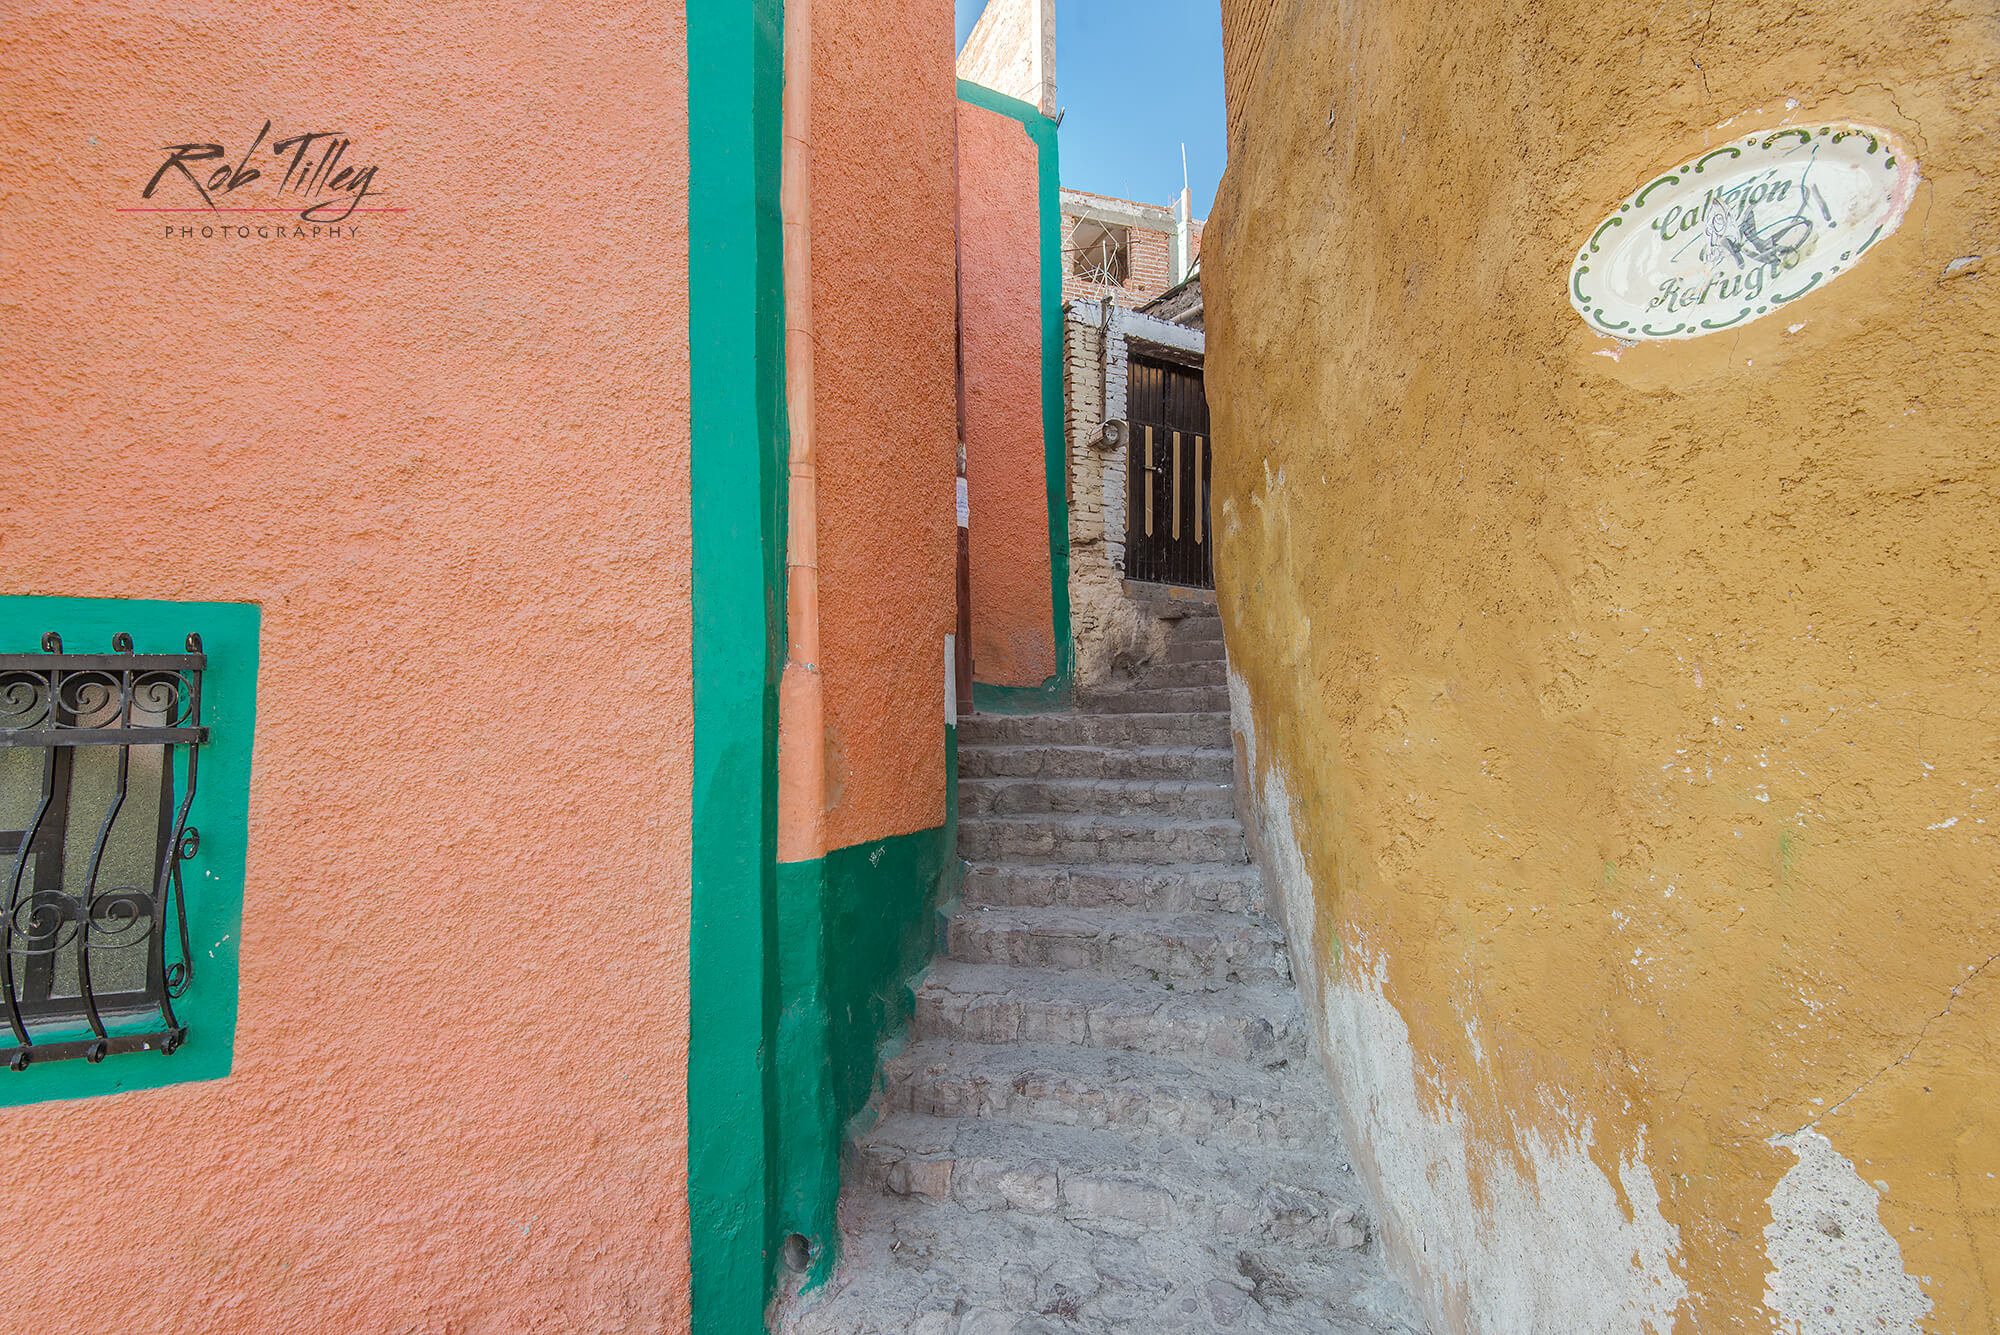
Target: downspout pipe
{"x":1104,"y":357}
{"x":801,"y":693}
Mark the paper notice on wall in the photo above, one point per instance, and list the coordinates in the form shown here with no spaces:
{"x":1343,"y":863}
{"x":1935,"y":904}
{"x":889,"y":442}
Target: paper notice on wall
{"x":951,"y":656}
{"x":963,"y":508}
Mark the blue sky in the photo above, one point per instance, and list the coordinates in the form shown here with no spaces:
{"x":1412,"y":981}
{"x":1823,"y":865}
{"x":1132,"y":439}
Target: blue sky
{"x":1136,"y":78}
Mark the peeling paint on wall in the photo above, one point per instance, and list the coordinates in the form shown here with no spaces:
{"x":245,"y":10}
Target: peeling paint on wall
{"x":1516,"y":1239}
{"x":1834,"y":1268}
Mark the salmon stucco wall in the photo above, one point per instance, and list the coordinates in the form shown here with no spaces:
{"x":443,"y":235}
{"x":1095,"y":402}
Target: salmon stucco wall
{"x":887,"y":406}
{"x":1620,"y":717}
{"x":449,"y":457}
{"x":1000,"y":286}
{"x":855,"y":919}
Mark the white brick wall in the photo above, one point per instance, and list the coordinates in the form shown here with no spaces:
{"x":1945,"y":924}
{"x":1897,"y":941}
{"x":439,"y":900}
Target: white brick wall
{"x":1012,"y":51}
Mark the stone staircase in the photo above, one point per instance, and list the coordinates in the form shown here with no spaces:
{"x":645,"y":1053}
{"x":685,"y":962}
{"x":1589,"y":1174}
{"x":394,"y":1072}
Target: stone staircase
{"x":1106,"y":1117}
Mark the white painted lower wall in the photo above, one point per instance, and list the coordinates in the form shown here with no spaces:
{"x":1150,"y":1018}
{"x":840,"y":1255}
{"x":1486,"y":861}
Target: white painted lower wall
{"x":1549,"y":1251}
{"x":1531,"y":1238}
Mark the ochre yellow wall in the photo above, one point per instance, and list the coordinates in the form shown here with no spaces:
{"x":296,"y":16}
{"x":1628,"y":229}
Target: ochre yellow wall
{"x":1622,"y":720}
{"x":450,"y":458}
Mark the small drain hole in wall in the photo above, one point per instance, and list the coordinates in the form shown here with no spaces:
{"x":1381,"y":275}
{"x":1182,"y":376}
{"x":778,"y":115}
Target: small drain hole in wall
{"x":800,"y":1252}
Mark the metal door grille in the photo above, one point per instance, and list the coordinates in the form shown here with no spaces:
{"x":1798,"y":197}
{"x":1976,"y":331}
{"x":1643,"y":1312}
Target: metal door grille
{"x":1167,"y":530}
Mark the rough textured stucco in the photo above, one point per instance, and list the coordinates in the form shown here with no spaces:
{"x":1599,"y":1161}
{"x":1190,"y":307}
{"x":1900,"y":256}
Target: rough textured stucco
{"x":886,"y":393}
{"x":1000,"y":262}
{"x":1246,"y":54}
{"x":449,"y":457}
{"x":1628,"y":709}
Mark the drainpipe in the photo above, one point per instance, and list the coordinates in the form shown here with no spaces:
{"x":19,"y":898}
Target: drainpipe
{"x":1104,"y":358}
{"x":1110,"y":430}
{"x":801,"y":694}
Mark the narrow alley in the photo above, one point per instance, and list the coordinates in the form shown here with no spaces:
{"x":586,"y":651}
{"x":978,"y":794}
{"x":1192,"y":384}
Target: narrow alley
{"x":1107,"y":1116}
{"x":1001,"y":667}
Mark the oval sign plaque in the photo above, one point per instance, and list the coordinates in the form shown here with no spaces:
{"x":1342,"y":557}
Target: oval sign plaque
{"x":1741,"y":230}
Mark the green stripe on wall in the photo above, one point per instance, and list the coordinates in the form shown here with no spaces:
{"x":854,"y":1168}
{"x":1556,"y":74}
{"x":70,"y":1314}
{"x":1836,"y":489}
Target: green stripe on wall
{"x":1054,"y":693}
{"x":857,"y":927}
{"x":808,"y":1128}
{"x":735,"y":349}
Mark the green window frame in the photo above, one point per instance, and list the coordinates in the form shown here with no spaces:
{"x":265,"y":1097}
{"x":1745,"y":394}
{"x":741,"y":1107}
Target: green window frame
{"x":211,"y":872}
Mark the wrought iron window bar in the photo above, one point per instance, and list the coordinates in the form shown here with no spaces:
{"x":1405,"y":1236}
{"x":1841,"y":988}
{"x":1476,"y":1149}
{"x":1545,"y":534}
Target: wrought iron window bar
{"x":69,"y":934}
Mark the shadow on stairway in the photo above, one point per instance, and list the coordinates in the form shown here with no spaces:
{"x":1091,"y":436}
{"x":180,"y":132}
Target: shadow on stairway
{"x":1106,"y":1116}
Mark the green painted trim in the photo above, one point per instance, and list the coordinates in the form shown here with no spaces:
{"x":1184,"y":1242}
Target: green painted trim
{"x":857,"y":929}
{"x":1054,"y":693}
{"x":736,"y":372}
{"x":979,"y":95}
{"x":1052,"y":696}
{"x":808,"y":1127}
{"x":221,"y":812}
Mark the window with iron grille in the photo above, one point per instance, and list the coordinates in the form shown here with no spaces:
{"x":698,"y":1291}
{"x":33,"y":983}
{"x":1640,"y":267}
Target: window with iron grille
{"x":113,"y":915}
{"x":99,"y":758}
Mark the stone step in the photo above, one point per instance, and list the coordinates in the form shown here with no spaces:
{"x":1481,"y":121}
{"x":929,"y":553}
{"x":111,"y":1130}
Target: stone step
{"x":1161,"y":700}
{"x":1122,"y":1183}
{"x":1106,"y":1088}
{"x":1195,"y":651}
{"x":1215,"y":887}
{"x":1083,"y":729}
{"x":1153,"y":676}
{"x":1095,"y":762}
{"x":1121,"y":943}
{"x":1091,"y":838}
{"x":917,"y":1266}
{"x":1179,"y":799}
{"x":1197,"y":630}
{"x":1107,"y":1117}
{"x":987,"y":1003}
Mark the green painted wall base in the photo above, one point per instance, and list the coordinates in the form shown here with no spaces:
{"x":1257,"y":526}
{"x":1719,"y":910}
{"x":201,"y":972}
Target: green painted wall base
{"x":1051,"y":697}
{"x":855,"y":929}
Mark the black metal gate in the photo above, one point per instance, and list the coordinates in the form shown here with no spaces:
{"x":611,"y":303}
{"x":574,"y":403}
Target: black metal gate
{"x":1167,"y":529}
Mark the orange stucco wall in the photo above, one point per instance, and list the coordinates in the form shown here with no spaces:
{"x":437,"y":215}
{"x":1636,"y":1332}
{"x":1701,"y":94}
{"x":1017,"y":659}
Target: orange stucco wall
{"x":886,"y":398}
{"x":999,"y":248}
{"x":450,"y":457}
